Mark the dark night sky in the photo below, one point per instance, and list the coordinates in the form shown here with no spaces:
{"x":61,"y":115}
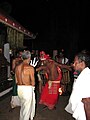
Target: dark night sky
{"x":59,"y":24}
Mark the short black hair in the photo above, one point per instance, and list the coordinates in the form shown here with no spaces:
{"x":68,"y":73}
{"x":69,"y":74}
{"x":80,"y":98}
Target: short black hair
{"x":84,"y":56}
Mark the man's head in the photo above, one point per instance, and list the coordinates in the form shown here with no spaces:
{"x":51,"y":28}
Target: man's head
{"x":26,"y":55}
{"x":42,"y":55}
{"x":61,"y":54}
{"x":45,"y":57}
{"x":81,"y":61}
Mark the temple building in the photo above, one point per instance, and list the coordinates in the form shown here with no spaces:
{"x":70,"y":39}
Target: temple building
{"x":12,"y":37}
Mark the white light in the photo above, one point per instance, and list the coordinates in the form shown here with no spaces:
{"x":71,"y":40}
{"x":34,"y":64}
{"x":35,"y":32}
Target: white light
{"x":19,"y":27}
{"x":10,"y":52}
{"x":6,"y":19}
{"x":13,"y":24}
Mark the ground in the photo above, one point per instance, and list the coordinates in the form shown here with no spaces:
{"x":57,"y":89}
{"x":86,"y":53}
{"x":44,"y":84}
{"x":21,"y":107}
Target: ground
{"x":41,"y":114}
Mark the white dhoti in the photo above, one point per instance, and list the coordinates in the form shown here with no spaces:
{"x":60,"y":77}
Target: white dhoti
{"x":27,"y":100}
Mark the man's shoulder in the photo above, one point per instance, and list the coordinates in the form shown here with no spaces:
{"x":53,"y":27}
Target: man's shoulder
{"x":29,"y":67}
{"x":18,"y":66}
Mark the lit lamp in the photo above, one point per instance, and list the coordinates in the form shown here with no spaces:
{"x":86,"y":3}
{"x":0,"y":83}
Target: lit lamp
{"x":10,"y":52}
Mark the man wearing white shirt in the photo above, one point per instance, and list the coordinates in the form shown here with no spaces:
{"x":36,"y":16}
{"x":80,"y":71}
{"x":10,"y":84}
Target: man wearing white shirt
{"x":81,"y":87}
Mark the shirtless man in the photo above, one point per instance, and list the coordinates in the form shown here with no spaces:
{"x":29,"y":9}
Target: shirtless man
{"x":52,"y":89}
{"x":25,"y":80}
{"x":16,"y":61}
{"x":50,"y":92}
{"x":14,"y":99}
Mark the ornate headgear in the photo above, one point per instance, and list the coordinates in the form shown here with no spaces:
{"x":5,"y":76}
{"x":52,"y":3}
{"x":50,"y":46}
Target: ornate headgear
{"x":45,"y":57}
{"x":42,"y":53}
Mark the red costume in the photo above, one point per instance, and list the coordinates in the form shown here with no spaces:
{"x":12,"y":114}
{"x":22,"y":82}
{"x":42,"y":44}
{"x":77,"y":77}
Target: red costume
{"x":50,"y":92}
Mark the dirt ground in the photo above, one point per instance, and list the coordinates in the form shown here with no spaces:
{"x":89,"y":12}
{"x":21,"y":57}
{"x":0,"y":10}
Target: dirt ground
{"x":41,"y":114}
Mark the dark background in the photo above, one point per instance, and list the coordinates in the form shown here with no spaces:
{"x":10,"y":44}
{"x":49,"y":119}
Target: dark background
{"x":57,"y":23}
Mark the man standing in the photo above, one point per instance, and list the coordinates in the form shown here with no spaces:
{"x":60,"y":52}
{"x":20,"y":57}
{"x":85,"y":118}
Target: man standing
{"x":81,"y":87}
{"x":25,"y":80}
{"x":16,"y":61}
{"x":50,"y":92}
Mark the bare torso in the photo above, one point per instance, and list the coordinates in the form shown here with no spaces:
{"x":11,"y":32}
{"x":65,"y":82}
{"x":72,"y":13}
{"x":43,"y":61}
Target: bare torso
{"x":51,"y":69}
{"x":24,"y":74}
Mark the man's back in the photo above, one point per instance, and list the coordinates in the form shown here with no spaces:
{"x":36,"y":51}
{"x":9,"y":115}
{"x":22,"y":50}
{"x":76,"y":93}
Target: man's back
{"x":24,"y":74}
{"x":52,"y":70}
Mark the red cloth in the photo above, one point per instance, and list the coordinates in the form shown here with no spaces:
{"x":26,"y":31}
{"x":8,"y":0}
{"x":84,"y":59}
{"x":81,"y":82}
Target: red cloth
{"x":49,"y":97}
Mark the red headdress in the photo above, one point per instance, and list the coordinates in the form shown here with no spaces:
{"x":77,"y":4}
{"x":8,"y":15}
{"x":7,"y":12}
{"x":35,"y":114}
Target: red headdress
{"x":45,"y":57}
{"x":42,"y":53}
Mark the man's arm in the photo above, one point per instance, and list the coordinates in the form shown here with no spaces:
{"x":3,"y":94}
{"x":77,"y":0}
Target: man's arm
{"x":40,"y":68}
{"x":32,"y":74}
{"x":16,"y":73}
{"x":13,"y":65}
{"x":64,"y":66}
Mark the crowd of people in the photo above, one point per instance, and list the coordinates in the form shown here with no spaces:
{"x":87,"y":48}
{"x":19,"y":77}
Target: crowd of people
{"x":50,"y":75}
